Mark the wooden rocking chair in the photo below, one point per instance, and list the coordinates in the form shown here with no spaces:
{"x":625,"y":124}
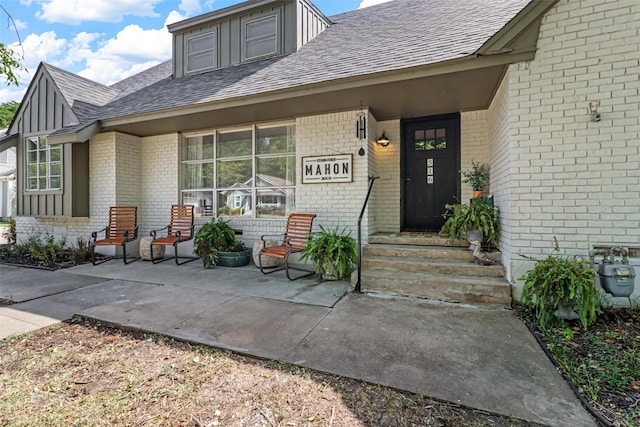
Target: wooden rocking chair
{"x":294,"y":240}
{"x":121,"y":229}
{"x":180,"y":229}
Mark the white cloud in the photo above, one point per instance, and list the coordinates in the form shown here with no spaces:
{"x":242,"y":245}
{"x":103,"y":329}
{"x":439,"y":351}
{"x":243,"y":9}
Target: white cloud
{"x":367,"y":3}
{"x":20,"y":25}
{"x":174,"y":16}
{"x":42,"y":47}
{"x":73,"y":12}
{"x":190,"y":6}
{"x":132,"y":50}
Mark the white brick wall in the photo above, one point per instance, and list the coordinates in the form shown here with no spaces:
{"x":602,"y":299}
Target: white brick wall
{"x":159,"y":170}
{"x":128,"y":170}
{"x":473,"y":140}
{"x":386,"y":190}
{"x":572,"y":178}
{"x":338,"y":204}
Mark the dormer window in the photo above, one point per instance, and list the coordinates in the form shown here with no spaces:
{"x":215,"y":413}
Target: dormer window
{"x":261,"y":37}
{"x":201,"y":52}
{"x":251,"y":30}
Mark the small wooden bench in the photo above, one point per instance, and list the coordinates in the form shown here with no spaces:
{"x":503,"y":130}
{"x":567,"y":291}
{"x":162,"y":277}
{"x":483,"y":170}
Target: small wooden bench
{"x":122,"y":228}
{"x":294,"y":240}
{"x":180,"y":229}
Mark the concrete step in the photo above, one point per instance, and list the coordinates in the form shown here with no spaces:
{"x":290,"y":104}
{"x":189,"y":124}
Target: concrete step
{"x":451,"y":267}
{"x":418,"y":251}
{"x":422,"y":240}
{"x":438,"y":286}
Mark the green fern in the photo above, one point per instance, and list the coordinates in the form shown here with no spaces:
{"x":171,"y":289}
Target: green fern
{"x":331,"y":249}
{"x":555,"y":281}
{"x":462,"y":218}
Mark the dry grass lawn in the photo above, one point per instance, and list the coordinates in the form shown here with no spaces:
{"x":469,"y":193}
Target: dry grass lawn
{"x":85,"y":374}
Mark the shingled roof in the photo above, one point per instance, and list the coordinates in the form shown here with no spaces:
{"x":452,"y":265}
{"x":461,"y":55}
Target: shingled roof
{"x":386,"y":38}
{"x":396,"y":35}
{"x":81,"y":94}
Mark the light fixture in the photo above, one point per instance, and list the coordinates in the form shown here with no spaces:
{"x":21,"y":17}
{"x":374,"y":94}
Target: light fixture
{"x":383,"y":140}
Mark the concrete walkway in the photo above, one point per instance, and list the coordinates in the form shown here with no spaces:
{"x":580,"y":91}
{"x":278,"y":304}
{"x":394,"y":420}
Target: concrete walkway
{"x":480,"y":357}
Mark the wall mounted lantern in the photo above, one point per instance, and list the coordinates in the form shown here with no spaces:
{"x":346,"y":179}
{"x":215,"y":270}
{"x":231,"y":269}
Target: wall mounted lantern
{"x":383,"y":140}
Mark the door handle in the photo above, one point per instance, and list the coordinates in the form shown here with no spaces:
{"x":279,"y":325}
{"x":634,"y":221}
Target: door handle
{"x":407,"y":180}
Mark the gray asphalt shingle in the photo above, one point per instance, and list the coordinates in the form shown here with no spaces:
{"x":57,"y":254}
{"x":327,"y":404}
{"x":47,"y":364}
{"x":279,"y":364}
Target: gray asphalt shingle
{"x":396,"y":35}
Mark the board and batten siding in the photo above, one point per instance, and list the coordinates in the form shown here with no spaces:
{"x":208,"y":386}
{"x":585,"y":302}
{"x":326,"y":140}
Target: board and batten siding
{"x":298,"y":23}
{"x":310,"y":22}
{"x":43,"y":111}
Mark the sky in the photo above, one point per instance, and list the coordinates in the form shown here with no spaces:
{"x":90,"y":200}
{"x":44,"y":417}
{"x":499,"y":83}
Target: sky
{"x":104,"y":40}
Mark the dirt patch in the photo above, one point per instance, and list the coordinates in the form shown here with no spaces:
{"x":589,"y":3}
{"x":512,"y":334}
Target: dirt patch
{"x":89,"y":374}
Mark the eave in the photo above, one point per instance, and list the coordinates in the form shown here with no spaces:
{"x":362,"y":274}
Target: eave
{"x":76,"y":135}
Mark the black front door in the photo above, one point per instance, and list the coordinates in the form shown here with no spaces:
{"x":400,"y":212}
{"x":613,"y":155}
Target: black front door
{"x":430,"y":164}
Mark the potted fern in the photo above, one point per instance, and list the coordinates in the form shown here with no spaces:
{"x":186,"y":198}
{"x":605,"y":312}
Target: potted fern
{"x":560,"y":287}
{"x":216,"y":243}
{"x":477,"y":178}
{"x":462,"y":219}
{"x":333,"y":253}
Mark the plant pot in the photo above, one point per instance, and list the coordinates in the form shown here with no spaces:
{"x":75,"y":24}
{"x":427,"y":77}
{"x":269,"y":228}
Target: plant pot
{"x":565,"y":311}
{"x":478,"y":194}
{"x":234,"y":259}
{"x":329,"y":271}
{"x":474,"y":236}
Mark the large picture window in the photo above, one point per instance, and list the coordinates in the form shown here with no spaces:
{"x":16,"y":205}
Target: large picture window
{"x":44,"y":165}
{"x":242,"y":173}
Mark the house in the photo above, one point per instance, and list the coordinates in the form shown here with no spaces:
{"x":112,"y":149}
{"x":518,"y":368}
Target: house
{"x":7,"y":182}
{"x":545,"y":92}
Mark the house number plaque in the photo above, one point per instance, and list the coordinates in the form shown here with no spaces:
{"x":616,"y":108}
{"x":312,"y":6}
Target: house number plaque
{"x":429,"y":171}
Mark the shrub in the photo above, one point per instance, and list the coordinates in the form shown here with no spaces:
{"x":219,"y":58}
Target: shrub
{"x":556,"y":282}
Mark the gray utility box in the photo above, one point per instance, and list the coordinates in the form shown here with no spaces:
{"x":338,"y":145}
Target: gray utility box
{"x":617,"y":278}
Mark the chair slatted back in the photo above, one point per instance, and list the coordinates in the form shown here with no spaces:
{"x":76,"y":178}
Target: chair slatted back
{"x":122,"y":219}
{"x":181,"y":220}
{"x":298,"y":230}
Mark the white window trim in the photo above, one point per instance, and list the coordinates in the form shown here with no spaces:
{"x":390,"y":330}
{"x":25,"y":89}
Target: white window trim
{"x":254,"y":189}
{"x":48,"y":162}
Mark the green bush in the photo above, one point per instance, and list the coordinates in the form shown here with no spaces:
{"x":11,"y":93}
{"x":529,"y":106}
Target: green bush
{"x":213,"y":237}
{"x":332,"y":253}
{"x":462,"y":218}
{"x":477,"y":177}
{"x":556,"y":282}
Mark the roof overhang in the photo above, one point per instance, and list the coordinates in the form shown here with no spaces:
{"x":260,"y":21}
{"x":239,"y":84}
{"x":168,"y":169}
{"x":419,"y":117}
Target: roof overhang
{"x":462,"y":84}
{"x":458,"y":85}
{"x":9,"y":141}
{"x":76,"y":134}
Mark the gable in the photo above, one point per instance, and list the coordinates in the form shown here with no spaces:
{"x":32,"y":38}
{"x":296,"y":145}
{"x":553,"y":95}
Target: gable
{"x":43,"y":108}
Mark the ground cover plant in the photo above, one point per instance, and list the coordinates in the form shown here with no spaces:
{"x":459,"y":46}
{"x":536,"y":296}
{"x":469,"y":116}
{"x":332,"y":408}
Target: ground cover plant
{"x":602,"y":362}
{"x":45,"y":251}
{"x":81,"y":373}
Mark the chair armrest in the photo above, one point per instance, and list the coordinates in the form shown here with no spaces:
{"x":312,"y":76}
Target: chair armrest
{"x":126,"y":235}
{"x":153,"y":232}
{"x":271,"y":235}
{"x":94,"y":235}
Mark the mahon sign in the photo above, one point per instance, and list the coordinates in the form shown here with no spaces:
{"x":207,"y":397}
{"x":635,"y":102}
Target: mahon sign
{"x":334,"y":168}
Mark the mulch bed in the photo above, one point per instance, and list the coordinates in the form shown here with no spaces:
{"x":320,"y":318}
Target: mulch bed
{"x":602,"y":364}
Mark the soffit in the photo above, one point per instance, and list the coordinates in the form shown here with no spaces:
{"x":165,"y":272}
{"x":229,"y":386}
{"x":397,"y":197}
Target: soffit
{"x":445,"y":93}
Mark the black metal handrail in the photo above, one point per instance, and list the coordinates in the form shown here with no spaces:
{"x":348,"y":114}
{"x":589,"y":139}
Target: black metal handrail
{"x":364,"y":205}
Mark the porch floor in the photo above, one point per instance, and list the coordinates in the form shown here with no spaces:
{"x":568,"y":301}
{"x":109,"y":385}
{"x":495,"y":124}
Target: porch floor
{"x":476,"y":356}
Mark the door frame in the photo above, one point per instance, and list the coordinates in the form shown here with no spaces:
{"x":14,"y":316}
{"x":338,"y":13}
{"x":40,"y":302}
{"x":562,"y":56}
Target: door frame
{"x":403,"y":173}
